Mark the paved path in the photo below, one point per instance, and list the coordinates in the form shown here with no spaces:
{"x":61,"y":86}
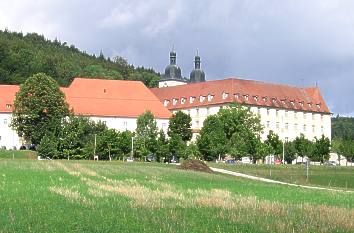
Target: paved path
{"x":273,"y":181}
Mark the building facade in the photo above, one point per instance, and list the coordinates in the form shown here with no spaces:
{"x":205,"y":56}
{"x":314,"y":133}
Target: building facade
{"x":116,"y":103}
{"x":288,"y":111}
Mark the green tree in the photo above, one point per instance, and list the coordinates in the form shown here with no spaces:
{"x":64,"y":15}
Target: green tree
{"x":162,"y":147}
{"x":146,"y":134}
{"x":212,"y":141}
{"x":192,"y":151}
{"x":180,"y":123}
{"x":177,"y":146}
{"x":289,"y":152}
{"x":39,"y":108}
{"x":321,"y":149}
{"x":303,"y":146}
{"x":108,"y":144}
{"x":262,"y":150}
{"x":274,"y":142}
{"x":47,"y":148}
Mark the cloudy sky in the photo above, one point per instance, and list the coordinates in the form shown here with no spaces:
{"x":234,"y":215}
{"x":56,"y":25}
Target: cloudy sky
{"x":297,"y":42}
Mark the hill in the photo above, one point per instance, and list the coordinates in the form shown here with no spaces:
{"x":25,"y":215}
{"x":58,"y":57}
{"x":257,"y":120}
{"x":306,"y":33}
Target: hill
{"x":343,"y":128}
{"x":21,"y":56}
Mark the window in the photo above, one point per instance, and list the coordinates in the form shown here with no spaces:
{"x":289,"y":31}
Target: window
{"x":191,"y":99}
{"x":125,"y":123}
{"x":295,"y":126}
{"x":201,"y":98}
{"x":5,"y":121}
{"x":225,"y":95}
{"x":310,"y":105}
{"x":183,"y":100}
{"x":321,"y":117}
{"x":278,"y":125}
{"x":163,"y":125}
{"x":305,"y":116}
{"x":237,"y":96}
{"x":286,"y":113}
{"x":304,"y":127}
{"x":322,"y":130}
{"x":255,"y":98}
{"x":318,"y":105}
{"x":197,"y":110}
{"x":286,"y":126}
{"x":166,"y":102}
{"x":189,"y":112}
{"x":313,"y":116}
{"x":268,"y":124}
{"x":265,"y":98}
{"x":274,"y":100}
{"x":210,"y":97}
{"x":292,"y":103}
{"x":283,"y":102}
{"x":246,"y":97}
{"x":277,"y":112}
{"x":104,"y":122}
{"x":0,"y":138}
{"x":313,"y":128}
{"x":207,"y":110}
{"x":301,"y":103}
{"x":259,"y":111}
{"x":295,"y":115}
{"x":8,"y":106}
{"x":197,"y":124}
{"x":174,"y":101}
{"x":268,"y":111}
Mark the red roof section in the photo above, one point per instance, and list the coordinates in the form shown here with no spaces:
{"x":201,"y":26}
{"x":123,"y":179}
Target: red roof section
{"x":241,"y":91}
{"x":7,"y":97}
{"x":101,"y":97}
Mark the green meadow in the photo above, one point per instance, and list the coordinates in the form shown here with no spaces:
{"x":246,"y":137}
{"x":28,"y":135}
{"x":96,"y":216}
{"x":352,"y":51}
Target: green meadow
{"x":319,"y":175}
{"x":87,"y":196}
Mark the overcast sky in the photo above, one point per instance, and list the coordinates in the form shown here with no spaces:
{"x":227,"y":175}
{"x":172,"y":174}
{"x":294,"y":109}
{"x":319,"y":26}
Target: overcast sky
{"x":293,"y":42}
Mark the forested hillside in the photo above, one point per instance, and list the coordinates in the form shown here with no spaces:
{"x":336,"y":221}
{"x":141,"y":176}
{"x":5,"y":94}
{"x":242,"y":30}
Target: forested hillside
{"x":343,"y":128}
{"x":21,"y":56}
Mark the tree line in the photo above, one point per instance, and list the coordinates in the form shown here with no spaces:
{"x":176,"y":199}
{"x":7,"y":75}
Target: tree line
{"x":343,"y":136}
{"x":22,"y":56}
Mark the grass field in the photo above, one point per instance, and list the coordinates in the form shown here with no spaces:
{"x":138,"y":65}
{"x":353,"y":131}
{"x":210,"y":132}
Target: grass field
{"x":17,"y":154}
{"x":323,"y":176}
{"x":86,"y":196}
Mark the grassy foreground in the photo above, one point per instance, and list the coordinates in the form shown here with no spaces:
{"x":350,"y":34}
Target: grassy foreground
{"x":86,"y":196}
{"x":323,"y":176}
{"x":18,"y":154}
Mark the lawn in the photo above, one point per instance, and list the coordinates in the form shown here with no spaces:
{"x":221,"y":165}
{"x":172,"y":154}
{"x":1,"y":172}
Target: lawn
{"x":323,"y":176}
{"x":87,"y":196}
{"x":17,"y":154}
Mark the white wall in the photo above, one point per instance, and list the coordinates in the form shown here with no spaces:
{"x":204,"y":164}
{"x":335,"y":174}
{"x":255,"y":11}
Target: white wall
{"x":288,"y":124}
{"x":170,"y":83}
{"x":8,"y":137}
{"x":123,"y":123}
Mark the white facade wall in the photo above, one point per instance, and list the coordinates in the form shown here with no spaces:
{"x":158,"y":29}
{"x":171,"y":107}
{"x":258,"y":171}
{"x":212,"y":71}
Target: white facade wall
{"x":8,"y":137}
{"x":170,"y":83}
{"x":287,"y":123}
{"x":124,"y":123}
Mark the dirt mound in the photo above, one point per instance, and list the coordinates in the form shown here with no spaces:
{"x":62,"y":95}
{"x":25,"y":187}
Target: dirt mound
{"x":196,"y":165}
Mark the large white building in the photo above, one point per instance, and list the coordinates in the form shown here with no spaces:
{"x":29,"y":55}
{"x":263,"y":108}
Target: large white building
{"x":286,"y":110}
{"x":117,"y":103}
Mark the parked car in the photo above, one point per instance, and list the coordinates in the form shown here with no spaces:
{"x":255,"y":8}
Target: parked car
{"x":246,"y":160}
{"x":230,"y":161}
{"x":330,"y":163}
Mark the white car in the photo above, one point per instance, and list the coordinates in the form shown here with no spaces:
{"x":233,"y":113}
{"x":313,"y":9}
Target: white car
{"x":246,"y":160}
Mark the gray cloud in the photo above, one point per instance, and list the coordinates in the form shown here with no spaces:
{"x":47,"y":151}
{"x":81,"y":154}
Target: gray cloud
{"x":294,"y":42}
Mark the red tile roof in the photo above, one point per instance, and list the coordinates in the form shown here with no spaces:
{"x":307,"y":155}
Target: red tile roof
{"x":244,"y":92}
{"x":100,"y":97}
{"x":7,"y":97}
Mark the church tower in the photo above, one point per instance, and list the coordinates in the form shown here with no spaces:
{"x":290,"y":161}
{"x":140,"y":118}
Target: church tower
{"x":197,"y":75}
{"x":172,"y":75}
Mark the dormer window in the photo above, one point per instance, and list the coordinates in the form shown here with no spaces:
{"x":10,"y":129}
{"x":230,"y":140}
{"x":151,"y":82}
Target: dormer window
{"x":210,"y":97}
{"x":310,"y":105}
{"x":318,"y":105}
{"x":104,"y":90}
{"x":265,"y":98}
{"x":274,"y":100}
{"x":183,"y":100}
{"x":225,"y":95}
{"x":255,"y":98}
{"x":237,"y":96}
{"x":301,"y":103}
{"x":191,"y":99}
{"x":8,"y":106}
{"x":292,"y":103}
{"x":166,"y":102}
{"x":245,"y":97}
{"x":201,"y":98}
{"x":283,"y":102}
{"x":174,"y":101}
